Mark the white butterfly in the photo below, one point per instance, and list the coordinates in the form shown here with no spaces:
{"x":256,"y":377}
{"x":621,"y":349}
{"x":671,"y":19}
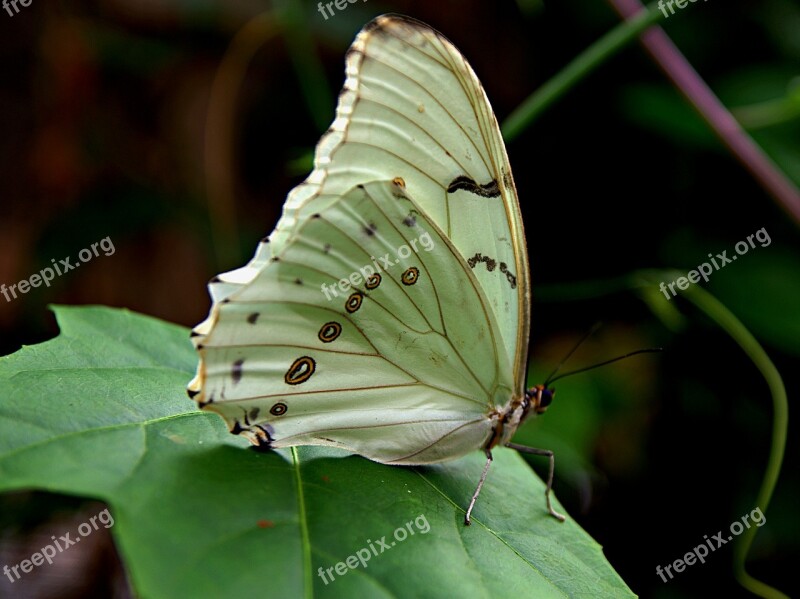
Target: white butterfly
{"x":389,"y":311}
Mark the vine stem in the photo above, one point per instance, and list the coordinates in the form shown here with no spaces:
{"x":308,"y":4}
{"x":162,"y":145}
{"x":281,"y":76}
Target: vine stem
{"x":675,"y":65}
{"x":713,"y":308}
{"x":645,"y":283}
{"x":587,"y":61}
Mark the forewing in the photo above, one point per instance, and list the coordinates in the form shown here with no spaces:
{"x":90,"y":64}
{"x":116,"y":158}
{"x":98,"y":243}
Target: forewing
{"x":413,"y":108}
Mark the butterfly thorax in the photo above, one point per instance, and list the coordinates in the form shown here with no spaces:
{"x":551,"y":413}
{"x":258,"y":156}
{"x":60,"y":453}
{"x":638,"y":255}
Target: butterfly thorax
{"x":535,"y":401}
{"x":508,"y":420}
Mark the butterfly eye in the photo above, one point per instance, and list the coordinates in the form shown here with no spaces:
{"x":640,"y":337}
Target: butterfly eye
{"x":546,"y":398}
{"x":410,"y":276}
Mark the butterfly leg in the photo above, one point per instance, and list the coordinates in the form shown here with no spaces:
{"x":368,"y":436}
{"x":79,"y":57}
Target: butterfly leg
{"x":480,"y":485}
{"x":548,"y":453}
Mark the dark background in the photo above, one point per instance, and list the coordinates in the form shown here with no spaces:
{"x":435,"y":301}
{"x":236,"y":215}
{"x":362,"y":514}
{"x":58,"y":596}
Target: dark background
{"x":103,"y":108}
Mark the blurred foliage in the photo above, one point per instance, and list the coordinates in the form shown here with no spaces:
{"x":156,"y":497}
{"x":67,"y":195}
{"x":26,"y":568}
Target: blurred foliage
{"x":103,"y":120}
{"x":179,"y":484}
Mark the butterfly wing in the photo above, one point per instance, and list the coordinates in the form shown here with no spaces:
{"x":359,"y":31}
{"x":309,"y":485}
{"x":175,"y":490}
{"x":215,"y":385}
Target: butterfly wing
{"x":413,"y":108}
{"x":402,"y":373}
{"x":402,"y":362}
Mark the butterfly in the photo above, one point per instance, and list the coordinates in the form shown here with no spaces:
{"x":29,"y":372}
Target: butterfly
{"x":388,"y":313}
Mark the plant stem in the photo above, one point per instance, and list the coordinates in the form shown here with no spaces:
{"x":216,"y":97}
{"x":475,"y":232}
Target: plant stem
{"x":692,"y":86}
{"x":715,"y":310}
{"x":645,"y":280}
{"x":769,"y":113}
{"x":603,"y":49}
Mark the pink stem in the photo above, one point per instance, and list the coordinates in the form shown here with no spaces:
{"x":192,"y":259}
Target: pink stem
{"x":691,"y":85}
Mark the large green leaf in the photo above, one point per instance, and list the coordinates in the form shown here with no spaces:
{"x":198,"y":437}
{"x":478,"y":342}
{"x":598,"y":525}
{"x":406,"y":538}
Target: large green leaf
{"x":101,"y":411}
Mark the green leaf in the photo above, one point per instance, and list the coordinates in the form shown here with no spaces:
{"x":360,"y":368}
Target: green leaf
{"x":101,"y":411}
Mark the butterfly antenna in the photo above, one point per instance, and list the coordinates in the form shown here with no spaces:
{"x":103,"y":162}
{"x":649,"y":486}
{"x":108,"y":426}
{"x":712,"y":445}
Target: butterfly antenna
{"x":586,"y":335}
{"x":650,"y":350}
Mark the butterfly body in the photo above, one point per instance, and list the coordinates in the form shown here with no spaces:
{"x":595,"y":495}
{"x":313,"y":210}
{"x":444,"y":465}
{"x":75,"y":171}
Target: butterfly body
{"x":388,"y":313}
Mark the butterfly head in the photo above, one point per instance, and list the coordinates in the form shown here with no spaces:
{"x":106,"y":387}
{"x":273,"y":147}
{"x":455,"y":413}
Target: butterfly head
{"x":539,"y":398}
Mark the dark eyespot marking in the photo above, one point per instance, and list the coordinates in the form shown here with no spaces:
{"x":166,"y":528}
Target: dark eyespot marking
{"x":373,"y":281}
{"x":298,"y":281}
{"x":276,"y":259}
{"x":254,"y":413}
{"x":399,"y":181}
{"x":491,"y":264}
{"x":252,"y":318}
{"x":279,"y":409}
{"x":263,"y":435}
{"x":353,"y":302}
{"x":326,"y":248}
{"x":315,"y":215}
{"x":509,"y":277}
{"x":489,"y":190}
{"x":411,"y":219}
{"x":370,"y":229}
{"x":410,"y":276}
{"x":236,"y":371}
{"x":329,"y":332}
{"x":300,"y":371}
